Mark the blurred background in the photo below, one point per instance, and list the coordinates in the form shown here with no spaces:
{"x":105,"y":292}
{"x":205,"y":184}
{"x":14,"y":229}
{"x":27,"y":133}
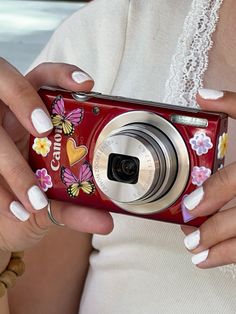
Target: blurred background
{"x":26,"y":26}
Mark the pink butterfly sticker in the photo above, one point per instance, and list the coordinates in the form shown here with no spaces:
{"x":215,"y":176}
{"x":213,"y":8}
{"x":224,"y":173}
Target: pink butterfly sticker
{"x":83,"y":182}
{"x":68,"y":121}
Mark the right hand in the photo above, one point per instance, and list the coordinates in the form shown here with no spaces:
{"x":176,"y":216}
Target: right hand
{"x":22,"y":112}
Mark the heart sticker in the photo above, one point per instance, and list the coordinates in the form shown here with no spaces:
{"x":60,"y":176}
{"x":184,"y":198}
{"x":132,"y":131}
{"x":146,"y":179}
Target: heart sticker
{"x":74,"y":153}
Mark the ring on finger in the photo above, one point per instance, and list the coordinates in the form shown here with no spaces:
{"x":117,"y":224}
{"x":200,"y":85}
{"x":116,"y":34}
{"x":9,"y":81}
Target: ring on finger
{"x":52,"y":218}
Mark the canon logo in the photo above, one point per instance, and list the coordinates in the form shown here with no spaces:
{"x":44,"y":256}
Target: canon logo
{"x":55,"y":162}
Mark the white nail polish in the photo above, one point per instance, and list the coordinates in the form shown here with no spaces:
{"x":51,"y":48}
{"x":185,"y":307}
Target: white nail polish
{"x":18,"y":211}
{"x":41,"y":121}
{"x":80,"y":77}
{"x":193,"y":199}
{"x":37,"y":198}
{"x":200,"y":257}
{"x":210,"y":94}
{"x":192,"y":240}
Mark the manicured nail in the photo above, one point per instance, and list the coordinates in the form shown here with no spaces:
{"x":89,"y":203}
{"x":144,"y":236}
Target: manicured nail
{"x":193,"y":199}
{"x":80,"y":77}
{"x":200,"y":257}
{"x":41,"y":121}
{"x":37,"y":198}
{"x":18,"y":211}
{"x":210,"y":94}
{"x":192,"y":240}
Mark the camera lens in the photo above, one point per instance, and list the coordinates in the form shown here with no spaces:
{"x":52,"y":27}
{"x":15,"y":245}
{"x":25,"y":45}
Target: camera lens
{"x":123,"y":168}
{"x":141,"y":162}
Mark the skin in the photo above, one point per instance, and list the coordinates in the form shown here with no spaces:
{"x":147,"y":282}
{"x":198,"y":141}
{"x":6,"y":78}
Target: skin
{"x":218,"y":233}
{"x":17,"y":178}
{"x":60,"y":284}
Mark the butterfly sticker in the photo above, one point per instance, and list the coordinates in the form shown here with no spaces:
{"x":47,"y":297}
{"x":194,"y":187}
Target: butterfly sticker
{"x":66,"y":121}
{"x":83,"y":182}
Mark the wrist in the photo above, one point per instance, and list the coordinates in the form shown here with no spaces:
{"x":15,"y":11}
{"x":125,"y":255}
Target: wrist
{"x":14,"y":268}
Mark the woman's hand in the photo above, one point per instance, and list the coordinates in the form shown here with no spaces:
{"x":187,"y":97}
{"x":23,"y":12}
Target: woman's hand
{"x":23,"y":215}
{"x":214,"y":243}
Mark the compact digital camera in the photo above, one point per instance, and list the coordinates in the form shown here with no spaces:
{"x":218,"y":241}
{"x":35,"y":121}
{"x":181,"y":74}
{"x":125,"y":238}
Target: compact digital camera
{"x":126,"y":156}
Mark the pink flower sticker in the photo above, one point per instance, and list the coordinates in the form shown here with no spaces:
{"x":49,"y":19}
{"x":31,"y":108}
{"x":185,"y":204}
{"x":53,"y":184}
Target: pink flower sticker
{"x":44,"y":179}
{"x":199,"y":175}
{"x":201,"y":143}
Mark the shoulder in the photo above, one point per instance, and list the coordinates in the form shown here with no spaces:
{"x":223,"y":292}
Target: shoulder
{"x":90,"y":25}
{"x":99,"y":11}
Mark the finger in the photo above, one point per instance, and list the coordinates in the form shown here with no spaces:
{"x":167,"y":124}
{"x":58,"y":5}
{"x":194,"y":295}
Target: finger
{"x":221,"y":254}
{"x":218,"y":228}
{"x":187,"y":229}
{"x":78,"y":218}
{"x":219,"y":101}
{"x":12,"y":208}
{"x":203,"y":201}
{"x":66,"y":76}
{"x":22,"y":99}
{"x":19,"y":176}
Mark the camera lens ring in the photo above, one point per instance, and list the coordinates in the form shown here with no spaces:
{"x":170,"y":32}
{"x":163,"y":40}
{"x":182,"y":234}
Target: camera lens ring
{"x":178,"y":143}
{"x":126,"y":144}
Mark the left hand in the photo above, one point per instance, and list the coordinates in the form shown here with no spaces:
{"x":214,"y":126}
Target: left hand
{"x":214,"y":243}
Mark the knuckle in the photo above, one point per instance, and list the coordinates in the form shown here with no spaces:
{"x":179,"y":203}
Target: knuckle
{"x":228,"y":252}
{"x":23,"y":89}
{"x":224,"y":177}
{"x":41,"y":67}
{"x":214,"y":226}
{"x":18,"y":172}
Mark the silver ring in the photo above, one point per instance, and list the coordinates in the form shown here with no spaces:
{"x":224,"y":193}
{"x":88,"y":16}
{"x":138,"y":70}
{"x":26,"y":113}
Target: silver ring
{"x":50,"y":215}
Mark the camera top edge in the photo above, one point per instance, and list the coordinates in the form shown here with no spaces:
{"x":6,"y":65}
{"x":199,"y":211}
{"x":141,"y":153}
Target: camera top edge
{"x":86,"y":96}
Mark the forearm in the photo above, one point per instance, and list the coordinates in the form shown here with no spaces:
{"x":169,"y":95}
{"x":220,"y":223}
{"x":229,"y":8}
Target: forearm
{"x":54,"y":275}
{"x":4,"y":307}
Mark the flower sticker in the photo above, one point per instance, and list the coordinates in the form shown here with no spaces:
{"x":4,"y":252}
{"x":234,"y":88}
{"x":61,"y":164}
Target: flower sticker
{"x":42,"y":146}
{"x":201,"y":143}
{"x":223,"y":145}
{"x":44,"y":179}
{"x":199,"y":175}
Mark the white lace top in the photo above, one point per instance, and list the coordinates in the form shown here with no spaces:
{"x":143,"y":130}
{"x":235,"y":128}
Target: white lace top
{"x":155,"y":49}
{"x":190,"y":61}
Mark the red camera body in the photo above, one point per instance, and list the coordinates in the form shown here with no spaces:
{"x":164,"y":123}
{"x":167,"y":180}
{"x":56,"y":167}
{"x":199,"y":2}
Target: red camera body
{"x":127,"y":156}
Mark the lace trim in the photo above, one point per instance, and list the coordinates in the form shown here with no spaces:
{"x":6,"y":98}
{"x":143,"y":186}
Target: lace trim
{"x":191,"y":58}
{"x":191,"y":61}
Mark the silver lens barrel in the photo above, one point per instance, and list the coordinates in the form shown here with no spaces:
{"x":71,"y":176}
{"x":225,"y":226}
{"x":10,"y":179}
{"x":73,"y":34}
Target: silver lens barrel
{"x":141,"y":162}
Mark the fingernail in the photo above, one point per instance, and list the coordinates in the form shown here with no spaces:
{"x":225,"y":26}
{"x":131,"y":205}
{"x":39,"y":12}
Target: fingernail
{"x":37,"y":198}
{"x":18,"y":211}
{"x":80,"y":77}
{"x":210,"y":94}
{"x":200,"y":257}
{"x":192,"y":240}
{"x":41,"y":121}
{"x":193,"y":199}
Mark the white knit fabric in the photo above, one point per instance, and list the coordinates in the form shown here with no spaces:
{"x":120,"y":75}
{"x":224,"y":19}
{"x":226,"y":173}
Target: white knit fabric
{"x":142,"y":267}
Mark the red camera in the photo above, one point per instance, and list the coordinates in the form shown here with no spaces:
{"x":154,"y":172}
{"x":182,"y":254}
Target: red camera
{"x":122,"y":155}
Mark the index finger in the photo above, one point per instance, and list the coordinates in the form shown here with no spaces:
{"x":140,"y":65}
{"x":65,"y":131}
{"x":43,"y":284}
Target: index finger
{"x":218,"y":190}
{"x":220,"y":101}
{"x":22,"y":99}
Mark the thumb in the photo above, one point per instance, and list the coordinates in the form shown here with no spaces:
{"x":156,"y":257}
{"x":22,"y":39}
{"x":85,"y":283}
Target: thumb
{"x":66,"y":76}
